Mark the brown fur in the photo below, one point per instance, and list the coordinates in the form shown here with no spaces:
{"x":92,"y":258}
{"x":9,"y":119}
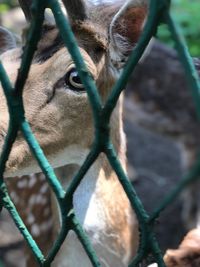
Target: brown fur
{"x":31,"y":196}
{"x":131,"y":22}
{"x":60,"y":118}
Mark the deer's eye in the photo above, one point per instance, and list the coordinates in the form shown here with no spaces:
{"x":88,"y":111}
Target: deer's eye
{"x":73,"y":80}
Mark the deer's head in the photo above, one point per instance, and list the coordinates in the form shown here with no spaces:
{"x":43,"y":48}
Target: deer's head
{"x":56,"y":102}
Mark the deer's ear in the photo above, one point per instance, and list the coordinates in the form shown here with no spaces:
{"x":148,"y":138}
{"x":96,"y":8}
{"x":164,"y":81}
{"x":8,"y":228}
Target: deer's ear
{"x":7,"y":40}
{"x":125,"y":30}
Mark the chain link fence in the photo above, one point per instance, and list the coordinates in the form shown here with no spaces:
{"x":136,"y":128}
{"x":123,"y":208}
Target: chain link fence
{"x":158,"y":13}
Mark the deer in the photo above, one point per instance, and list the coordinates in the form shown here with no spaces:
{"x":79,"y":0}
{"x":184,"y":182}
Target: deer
{"x":58,"y":110}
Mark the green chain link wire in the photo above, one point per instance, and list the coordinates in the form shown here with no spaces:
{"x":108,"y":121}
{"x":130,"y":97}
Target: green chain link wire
{"x":158,"y":12}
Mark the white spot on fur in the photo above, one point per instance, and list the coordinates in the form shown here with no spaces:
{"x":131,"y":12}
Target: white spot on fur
{"x":30,"y":219}
{"x":44,"y":188}
{"x":14,"y":197}
{"x":37,"y":199}
{"x":32,"y":180}
{"x":35,"y":230}
{"x":32,"y":200}
{"x":22,"y":183}
{"x":46,"y":225}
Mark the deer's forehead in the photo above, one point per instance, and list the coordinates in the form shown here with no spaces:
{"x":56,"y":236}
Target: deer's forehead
{"x":92,"y":33}
{"x":61,"y":62}
{"x":50,"y":43}
{"x":89,"y":37}
{"x":52,"y":57}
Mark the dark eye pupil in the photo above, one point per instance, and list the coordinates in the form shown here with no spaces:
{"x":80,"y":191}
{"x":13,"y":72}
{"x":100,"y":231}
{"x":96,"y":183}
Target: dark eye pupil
{"x":73,"y":80}
{"x":75,"y":77}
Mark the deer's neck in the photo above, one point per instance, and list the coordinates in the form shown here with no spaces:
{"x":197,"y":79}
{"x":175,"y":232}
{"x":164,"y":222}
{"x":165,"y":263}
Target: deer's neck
{"x":99,"y":202}
{"x":99,"y":177}
{"x":117,"y":132}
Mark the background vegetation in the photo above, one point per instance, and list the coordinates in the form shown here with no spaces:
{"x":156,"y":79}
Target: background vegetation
{"x":186,"y":13}
{"x":7,"y":4}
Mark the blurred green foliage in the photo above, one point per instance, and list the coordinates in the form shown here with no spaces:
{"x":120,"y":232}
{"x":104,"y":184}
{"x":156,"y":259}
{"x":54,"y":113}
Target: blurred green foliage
{"x":187,"y":14}
{"x":6,"y":5}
